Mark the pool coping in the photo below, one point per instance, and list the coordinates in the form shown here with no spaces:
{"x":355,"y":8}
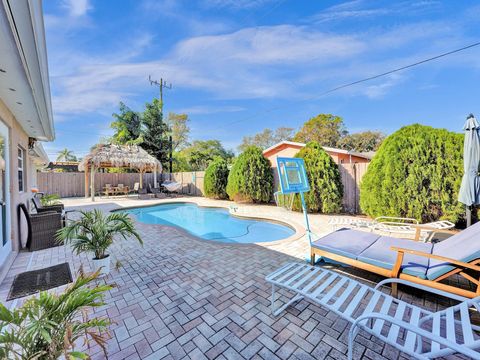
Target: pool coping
{"x":299,"y":231}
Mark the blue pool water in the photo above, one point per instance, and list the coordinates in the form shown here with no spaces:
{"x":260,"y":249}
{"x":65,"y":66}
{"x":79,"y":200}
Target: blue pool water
{"x":212,"y":223}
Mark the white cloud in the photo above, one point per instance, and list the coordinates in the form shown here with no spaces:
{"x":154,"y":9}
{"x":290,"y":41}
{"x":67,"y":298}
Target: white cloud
{"x":238,"y":4}
{"x":77,"y":7}
{"x":203,"y":109}
{"x":283,"y":61}
{"x":281,"y":44}
{"x":359,"y":9}
{"x":380,"y":89}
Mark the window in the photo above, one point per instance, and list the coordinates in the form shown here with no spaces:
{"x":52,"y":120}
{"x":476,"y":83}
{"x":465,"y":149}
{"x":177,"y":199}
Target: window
{"x":21,"y":169}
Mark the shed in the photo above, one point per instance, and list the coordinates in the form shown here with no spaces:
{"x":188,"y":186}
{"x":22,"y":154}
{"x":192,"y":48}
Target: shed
{"x":117,"y":156}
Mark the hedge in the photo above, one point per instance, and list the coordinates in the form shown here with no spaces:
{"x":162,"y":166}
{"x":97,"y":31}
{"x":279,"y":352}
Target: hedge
{"x":326,"y":189}
{"x":416,"y":173}
{"x":215,"y":181}
{"x":251,"y":177}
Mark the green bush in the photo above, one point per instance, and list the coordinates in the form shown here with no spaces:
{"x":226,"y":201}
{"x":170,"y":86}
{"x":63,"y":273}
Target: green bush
{"x":216,"y":177}
{"x":251,"y":177}
{"x":416,"y":173}
{"x":326,"y":189}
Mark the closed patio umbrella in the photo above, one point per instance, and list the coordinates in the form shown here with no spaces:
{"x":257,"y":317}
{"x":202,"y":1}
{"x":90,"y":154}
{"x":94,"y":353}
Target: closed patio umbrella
{"x":470,"y":189}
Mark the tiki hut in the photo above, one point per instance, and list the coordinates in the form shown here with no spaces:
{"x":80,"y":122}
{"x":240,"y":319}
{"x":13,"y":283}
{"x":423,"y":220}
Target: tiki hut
{"x":117,"y":156}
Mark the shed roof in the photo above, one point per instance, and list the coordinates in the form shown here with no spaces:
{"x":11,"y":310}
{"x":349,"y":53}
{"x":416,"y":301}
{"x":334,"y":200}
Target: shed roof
{"x":122,"y":156}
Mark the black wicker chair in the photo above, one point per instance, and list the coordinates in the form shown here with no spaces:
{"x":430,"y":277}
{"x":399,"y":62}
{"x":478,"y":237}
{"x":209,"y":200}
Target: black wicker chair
{"x":42,"y":228}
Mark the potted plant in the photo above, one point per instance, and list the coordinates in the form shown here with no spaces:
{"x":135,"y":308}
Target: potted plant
{"x":50,"y":199}
{"x":94,"y":232}
{"x":49,"y":326}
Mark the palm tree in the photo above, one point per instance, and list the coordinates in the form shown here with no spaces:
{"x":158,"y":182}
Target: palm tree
{"x":66,"y":155}
{"x":94,"y":232}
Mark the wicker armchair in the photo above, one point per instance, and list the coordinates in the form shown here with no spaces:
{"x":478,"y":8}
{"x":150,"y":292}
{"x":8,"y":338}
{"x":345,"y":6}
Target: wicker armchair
{"x":42,"y":229}
{"x":40,"y":208}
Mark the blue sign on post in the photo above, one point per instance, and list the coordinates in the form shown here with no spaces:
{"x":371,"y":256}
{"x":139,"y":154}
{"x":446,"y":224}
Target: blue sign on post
{"x":293,"y":179}
{"x":292,"y":175}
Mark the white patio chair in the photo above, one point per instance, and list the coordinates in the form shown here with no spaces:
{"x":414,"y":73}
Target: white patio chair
{"x":342,"y":222}
{"x":405,"y":227}
{"x":409,"y":328}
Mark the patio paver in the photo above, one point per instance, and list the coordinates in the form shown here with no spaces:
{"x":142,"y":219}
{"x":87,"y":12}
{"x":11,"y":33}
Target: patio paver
{"x":182,"y":298}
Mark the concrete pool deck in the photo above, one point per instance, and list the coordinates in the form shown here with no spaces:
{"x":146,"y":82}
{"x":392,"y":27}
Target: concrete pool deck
{"x":181,"y":298}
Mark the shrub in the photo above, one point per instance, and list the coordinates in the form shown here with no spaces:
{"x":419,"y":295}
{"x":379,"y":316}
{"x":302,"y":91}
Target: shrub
{"x":326,"y":189}
{"x":251,"y":177}
{"x":216,"y":177}
{"x":416,"y":173}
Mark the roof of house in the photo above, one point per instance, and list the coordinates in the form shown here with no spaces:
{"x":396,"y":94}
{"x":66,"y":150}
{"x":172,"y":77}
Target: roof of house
{"x":24,"y":81}
{"x":70,"y":166}
{"x":299,"y":145}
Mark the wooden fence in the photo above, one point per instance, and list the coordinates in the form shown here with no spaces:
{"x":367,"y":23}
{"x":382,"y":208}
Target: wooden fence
{"x":73,"y":184}
{"x":351,"y":176}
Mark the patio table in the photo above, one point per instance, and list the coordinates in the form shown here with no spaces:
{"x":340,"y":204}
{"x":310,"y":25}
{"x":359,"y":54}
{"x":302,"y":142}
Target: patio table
{"x":114,"y":190}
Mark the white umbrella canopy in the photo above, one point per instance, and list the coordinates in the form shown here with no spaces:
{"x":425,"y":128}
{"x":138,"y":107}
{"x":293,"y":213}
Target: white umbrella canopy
{"x":469,"y":193}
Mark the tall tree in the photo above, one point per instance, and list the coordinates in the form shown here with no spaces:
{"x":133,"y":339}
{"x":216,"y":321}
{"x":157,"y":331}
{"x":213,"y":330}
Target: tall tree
{"x":362,"y":141}
{"x":180,"y":130}
{"x":326,"y":129}
{"x":180,"y":162}
{"x":266,"y":138}
{"x":127,"y":126}
{"x":66,"y":155}
{"x":155,"y":132}
{"x":201,"y":153}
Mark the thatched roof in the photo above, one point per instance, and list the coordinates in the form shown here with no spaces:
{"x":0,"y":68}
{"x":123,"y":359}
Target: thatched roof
{"x":122,"y":156}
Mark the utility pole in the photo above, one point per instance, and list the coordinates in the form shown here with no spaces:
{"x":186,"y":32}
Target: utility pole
{"x":161,"y":84}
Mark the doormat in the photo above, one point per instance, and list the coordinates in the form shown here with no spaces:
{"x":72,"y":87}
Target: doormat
{"x":31,"y":282}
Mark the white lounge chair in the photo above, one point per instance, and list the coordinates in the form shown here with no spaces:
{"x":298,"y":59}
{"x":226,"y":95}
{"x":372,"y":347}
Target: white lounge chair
{"x":405,"y":227}
{"x":342,"y":222}
{"x":413,"y":330}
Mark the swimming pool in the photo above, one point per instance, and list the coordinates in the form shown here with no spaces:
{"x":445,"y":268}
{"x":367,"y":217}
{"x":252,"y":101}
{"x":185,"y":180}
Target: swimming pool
{"x":212,"y":223}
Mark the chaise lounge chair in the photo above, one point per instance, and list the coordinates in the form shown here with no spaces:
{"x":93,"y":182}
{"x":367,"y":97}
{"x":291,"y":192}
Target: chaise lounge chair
{"x":409,"y":328}
{"x":422,"y":263}
{"x":394,"y":225}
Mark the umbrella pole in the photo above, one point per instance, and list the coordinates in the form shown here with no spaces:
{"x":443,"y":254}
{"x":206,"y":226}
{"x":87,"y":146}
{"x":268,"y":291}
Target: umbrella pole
{"x":469,"y":216}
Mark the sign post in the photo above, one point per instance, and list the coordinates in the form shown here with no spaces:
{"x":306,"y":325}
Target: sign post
{"x":293,"y":180}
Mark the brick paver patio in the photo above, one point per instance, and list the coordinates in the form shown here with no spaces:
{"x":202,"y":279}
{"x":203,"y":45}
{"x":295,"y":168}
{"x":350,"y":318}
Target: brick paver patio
{"x":183,"y":298}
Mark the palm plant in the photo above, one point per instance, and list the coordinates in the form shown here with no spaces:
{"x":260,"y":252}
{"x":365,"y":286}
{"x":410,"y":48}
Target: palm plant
{"x":50,"y":325}
{"x":50,"y":199}
{"x":94,"y":232}
{"x":66,"y":155}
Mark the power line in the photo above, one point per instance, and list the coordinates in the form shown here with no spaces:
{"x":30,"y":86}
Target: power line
{"x":399,"y":69}
{"x":361,"y":81}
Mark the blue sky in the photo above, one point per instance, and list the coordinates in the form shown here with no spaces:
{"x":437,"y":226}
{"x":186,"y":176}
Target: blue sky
{"x":240,"y":66}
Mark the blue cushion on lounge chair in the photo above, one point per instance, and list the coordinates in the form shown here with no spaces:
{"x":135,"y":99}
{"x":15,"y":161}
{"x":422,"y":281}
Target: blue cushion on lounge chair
{"x":464,"y":246}
{"x":380,"y":254}
{"x":346,"y":242}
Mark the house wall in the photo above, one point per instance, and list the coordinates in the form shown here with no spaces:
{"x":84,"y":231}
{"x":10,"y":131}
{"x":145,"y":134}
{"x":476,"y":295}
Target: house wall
{"x":346,"y":158}
{"x":284,"y":150}
{"x":288,"y":150}
{"x":17,"y":137}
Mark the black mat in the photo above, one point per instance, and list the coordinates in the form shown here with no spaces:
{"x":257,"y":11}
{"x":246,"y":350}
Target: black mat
{"x":31,"y":282}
